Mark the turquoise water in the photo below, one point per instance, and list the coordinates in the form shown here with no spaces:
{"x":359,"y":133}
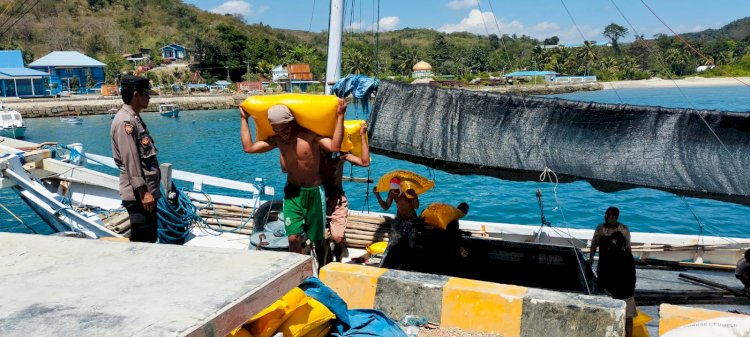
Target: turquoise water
{"x":207,"y":142}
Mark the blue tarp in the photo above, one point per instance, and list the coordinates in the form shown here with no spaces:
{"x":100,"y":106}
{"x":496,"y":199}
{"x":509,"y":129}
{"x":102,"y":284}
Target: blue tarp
{"x":351,"y":323}
{"x":360,"y":86}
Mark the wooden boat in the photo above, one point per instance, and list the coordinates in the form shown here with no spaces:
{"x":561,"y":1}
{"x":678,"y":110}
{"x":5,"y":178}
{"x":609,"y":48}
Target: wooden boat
{"x":169,"y":110}
{"x":71,"y":119}
{"x":11,"y":123}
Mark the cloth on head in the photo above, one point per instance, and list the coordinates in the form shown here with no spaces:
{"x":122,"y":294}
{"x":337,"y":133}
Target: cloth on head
{"x":279,"y":114}
{"x":395,"y":184}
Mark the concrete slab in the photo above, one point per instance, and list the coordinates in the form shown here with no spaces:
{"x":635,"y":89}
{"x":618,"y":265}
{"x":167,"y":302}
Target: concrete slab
{"x":54,"y":286}
{"x":400,"y":293}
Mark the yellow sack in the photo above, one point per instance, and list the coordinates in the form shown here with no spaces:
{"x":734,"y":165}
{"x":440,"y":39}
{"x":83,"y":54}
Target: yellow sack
{"x":316,"y":113}
{"x":239,"y":332}
{"x":377,"y":247}
{"x":639,"y":324}
{"x":409,"y":180}
{"x":306,"y":318}
{"x":321,"y":331}
{"x":352,"y":140}
{"x":439,"y":215}
{"x":268,"y":321}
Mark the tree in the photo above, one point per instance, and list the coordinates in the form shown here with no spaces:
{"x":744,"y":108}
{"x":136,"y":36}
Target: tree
{"x":587,"y":54}
{"x":114,"y":66}
{"x":405,"y":60}
{"x":355,"y":62}
{"x":551,"y":41}
{"x":614,"y":32}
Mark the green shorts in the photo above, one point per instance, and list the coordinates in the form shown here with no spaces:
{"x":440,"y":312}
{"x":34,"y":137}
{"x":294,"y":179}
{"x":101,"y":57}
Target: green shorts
{"x":304,"y":211}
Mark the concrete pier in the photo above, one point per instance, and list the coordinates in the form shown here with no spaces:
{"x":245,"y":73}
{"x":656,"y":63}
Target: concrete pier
{"x":97,"y":105}
{"x":476,"y":306}
{"x":55,"y":286}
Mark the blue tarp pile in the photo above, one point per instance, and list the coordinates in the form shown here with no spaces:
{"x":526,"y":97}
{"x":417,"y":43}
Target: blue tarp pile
{"x":350,"y":323}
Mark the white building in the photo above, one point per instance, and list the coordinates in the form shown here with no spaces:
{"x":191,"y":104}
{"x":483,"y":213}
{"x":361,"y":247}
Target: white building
{"x":421,"y":70}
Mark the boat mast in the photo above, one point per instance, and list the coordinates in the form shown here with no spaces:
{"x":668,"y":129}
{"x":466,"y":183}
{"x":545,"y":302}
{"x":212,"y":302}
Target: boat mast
{"x":335,"y":30}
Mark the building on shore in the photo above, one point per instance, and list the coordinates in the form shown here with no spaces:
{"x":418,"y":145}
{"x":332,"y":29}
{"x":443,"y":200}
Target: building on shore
{"x":293,"y":77}
{"x":71,"y":72}
{"x":422,"y":70}
{"x":174,"y":52}
{"x":19,"y":81}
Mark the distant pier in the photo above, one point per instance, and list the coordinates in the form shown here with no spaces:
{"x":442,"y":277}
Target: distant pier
{"x":97,"y":105}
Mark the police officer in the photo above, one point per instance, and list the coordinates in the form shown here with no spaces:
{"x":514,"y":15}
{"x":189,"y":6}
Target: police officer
{"x":135,"y":155}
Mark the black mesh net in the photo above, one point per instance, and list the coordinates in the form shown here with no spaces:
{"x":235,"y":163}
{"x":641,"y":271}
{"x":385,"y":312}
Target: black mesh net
{"x":612,"y":146}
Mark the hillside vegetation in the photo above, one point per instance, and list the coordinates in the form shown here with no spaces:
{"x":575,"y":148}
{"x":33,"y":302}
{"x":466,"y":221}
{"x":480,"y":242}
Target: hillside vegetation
{"x":224,"y":44}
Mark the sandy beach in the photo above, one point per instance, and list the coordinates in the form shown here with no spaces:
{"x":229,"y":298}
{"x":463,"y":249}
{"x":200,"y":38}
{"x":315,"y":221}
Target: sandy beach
{"x":685,"y":82}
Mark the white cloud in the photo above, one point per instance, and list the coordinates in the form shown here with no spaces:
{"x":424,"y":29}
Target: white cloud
{"x":478,"y":22}
{"x":458,"y":4}
{"x":240,"y":7}
{"x":387,"y":23}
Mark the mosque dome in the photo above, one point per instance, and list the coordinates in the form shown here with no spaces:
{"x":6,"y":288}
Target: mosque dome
{"x":422,"y":65}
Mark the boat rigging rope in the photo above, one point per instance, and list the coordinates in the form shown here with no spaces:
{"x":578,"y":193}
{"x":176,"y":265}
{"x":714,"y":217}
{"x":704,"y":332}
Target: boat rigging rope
{"x":18,"y":218}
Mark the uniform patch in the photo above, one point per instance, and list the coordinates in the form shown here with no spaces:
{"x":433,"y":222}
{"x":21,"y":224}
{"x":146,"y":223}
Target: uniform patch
{"x":128,"y":128}
{"x":145,"y":140}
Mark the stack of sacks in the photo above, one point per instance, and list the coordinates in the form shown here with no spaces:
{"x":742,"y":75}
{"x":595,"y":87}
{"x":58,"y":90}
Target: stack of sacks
{"x":313,"y":310}
{"x":294,"y":315}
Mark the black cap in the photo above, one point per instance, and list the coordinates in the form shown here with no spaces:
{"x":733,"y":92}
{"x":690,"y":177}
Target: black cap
{"x":137,"y":83}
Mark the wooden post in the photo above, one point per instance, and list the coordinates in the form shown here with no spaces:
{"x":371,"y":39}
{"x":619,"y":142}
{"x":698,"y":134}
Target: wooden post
{"x":166,"y":177}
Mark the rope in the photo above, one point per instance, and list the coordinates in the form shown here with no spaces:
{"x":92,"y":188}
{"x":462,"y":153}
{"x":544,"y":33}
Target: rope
{"x":175,"y":220}
{"x":18,"y":218}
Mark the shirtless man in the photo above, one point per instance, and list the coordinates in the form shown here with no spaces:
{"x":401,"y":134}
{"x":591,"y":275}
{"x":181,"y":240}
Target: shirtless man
{"x":304,"y":209}
{"x":337,"y":206}
{"x":406,"y":202}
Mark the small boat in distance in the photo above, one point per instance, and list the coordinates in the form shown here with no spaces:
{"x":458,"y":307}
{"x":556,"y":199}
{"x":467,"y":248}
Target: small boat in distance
{"x":169,"y":110}
{"x":71,"y":119}
{"x":11,"y":123}
{"x":112,"y":112}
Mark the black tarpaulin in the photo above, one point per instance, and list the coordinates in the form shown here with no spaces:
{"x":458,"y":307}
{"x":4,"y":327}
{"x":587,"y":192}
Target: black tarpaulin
{"x":613,"y":146}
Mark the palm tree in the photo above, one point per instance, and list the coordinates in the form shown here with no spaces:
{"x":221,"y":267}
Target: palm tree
{"x":587,"y":54}
{"x":355,"y":62}
{"x":405,"y":60}
{"x":264,"y":68}
{"x":677,"y":60}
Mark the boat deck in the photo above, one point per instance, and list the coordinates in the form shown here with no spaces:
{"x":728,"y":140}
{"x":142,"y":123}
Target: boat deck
{"x":57,"y":286}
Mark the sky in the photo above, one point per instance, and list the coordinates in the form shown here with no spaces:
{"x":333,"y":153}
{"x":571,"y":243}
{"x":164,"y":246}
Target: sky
{"x":536,"y":18}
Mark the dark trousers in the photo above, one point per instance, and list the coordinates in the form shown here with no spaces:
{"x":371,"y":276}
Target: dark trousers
{"x":143,"y":224}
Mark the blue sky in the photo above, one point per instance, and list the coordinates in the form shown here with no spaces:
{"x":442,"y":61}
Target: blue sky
{"x":536,"y":18}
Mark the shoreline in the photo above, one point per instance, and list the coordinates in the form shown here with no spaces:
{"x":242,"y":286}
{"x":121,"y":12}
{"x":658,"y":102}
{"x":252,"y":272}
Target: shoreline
{"x":695,"y":81}
{"x":98,"y":105}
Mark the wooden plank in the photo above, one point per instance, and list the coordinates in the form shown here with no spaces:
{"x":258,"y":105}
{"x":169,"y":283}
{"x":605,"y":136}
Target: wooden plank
{"x":713,"y":284}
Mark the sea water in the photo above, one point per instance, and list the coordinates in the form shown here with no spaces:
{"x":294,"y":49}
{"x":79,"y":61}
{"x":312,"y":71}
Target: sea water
{"x":208,"y":142}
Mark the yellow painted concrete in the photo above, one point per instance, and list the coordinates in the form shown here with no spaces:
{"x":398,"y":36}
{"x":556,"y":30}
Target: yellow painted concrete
{"x":354,"y":283}
{"x":482,"y":306}
{"x":674,"y":316}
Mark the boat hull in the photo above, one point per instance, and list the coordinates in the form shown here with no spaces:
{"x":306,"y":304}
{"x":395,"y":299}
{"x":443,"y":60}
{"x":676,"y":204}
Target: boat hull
{"x":14,"y":132}
{"x":171,"y":114}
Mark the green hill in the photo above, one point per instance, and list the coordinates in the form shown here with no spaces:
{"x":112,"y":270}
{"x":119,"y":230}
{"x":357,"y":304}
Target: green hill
{"x":736,"y":30}
{"x":224,"y":45}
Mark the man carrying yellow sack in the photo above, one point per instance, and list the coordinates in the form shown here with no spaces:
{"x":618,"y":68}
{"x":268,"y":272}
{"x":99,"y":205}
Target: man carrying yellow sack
{"x":337,"y":206}
{"x":304,"y":208}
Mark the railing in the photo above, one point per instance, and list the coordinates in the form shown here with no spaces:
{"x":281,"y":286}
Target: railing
{"x":574,"y":79}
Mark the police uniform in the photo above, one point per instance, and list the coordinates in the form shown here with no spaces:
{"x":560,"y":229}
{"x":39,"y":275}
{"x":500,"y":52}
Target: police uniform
{"x":134,"y":153}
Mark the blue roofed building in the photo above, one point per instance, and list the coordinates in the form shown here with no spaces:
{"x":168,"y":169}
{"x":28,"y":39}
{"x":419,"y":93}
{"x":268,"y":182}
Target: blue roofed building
{"x":71,"y":70}
{"x":17,"y":80}
{"x":174,"y":52}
